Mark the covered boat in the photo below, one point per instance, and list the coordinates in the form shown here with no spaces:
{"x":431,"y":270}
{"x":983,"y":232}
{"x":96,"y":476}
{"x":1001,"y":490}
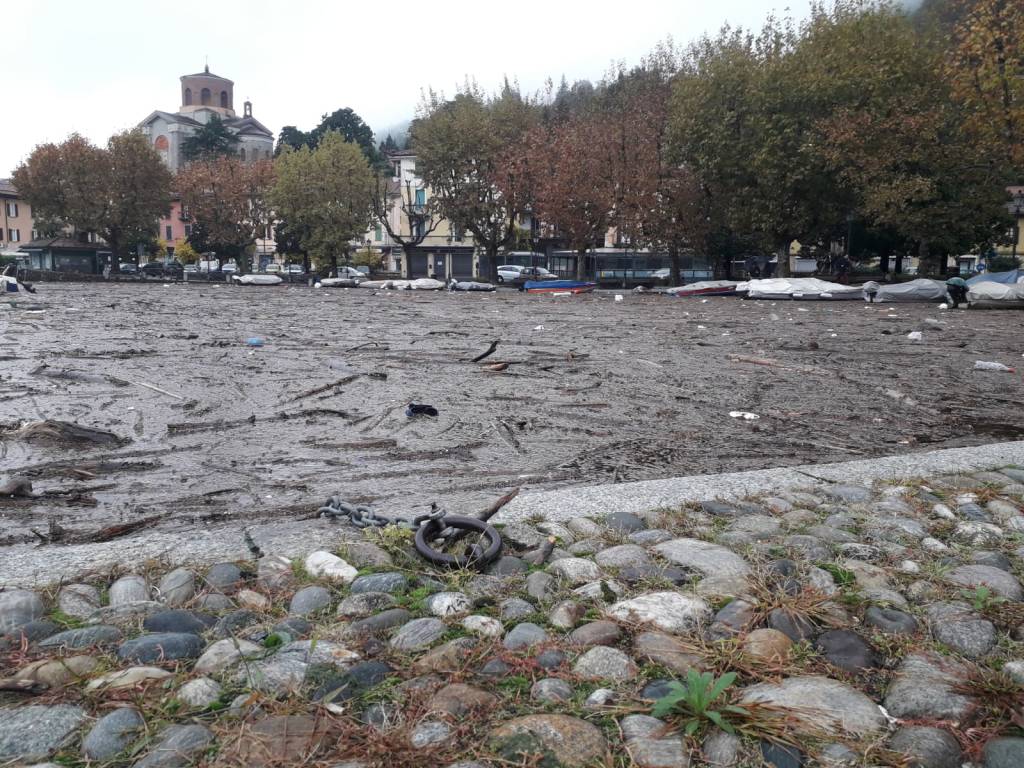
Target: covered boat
{"x":338,"y":282}
{"x":469,"y":285}
{"x":420,"y":284}
{"x":914,"y":290}
{"x":558,"y":286}
{"x":798,"y":289}
{"x":705,"y":288}
{"x":257,"y":279}
{"x":989,"y":295}
{"x":1006,"y":278}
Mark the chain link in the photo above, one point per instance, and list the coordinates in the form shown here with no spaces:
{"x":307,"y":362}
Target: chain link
{"x":363,"y":517}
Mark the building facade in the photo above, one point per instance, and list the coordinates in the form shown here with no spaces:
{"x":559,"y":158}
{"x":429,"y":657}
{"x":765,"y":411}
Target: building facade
{"x":16,"y":224}
{"x":203,"y":96}
{"x":445,"y":251}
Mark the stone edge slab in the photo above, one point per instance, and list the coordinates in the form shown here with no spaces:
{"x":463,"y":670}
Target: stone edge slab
{"x":30,"y":566}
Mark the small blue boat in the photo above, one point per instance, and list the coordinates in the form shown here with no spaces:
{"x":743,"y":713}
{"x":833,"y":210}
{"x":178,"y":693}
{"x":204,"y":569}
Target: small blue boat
{"x":558,"y":286}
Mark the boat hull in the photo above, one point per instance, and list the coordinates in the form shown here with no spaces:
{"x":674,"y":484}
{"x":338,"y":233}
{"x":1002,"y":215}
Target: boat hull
{"x":559,"y":286}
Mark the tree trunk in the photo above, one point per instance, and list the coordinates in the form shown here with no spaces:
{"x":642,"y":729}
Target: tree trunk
{"x":782,"y":251}
{"x":673,"y":265}
{"x":581,"y":264}
{"x":114,"y":241}
{"x":334,"y":264}
{"x":407,"y":254}
{"x":492,"y":264}
{"x":883,"y":264}
{"x":925,"y":265}
{"x":899,"y":264}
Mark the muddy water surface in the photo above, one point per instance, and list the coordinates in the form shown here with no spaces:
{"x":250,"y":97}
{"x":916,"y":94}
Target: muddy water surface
{"x":596,"y":391}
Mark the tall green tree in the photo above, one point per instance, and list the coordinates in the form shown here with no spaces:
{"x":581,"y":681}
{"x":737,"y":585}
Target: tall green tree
{"x":895,"y":134}
{"x":985,"y":68}
{"x":742,"y":121}
{"x":212,"y":139}
{"x":466,"y":149}
{"x":292,"y":137}
{"x":343,"y":121}
{"x":324,"y":195}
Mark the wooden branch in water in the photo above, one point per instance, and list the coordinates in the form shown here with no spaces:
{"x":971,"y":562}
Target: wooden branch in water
{"x":114,"y":531}
{"x":323,"y":388}
{"x":488,"y":353}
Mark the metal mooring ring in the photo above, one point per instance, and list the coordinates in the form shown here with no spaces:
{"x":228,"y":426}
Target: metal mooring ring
{"x":475,"y":557}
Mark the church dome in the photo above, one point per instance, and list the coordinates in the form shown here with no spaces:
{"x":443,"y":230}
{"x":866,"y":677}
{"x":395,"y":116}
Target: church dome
{"x":205,"y":90}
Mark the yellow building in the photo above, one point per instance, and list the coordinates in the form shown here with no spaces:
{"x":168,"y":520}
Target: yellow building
{"x":443,"y":252}
{"x":16,"y":224}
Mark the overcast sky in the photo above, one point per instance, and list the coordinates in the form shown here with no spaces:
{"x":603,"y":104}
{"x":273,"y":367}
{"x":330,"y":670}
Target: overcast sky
{"x":100,"y":67}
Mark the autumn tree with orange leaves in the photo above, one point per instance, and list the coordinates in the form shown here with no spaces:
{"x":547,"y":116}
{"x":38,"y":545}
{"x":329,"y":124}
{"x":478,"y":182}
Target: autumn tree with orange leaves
{"x":227,"y":199}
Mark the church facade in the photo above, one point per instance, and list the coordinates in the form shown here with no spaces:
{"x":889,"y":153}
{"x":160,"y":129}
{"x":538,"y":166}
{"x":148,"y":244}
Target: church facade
{"x":204,"y":95}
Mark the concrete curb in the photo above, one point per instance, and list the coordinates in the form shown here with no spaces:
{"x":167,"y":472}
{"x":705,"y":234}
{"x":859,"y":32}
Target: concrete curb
{"x":30,"y":566}
{"x":600,"y":500}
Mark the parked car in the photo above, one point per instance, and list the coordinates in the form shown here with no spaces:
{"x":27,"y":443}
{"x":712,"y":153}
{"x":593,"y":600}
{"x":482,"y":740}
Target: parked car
{"x":172,"y":269}
{"x":230,"y":268}
{"x":191,"y":269}
{"x":296,"y":269}
{"x":273,"y":269}
{"x":514,"y":273}
{"x":352,"y":274}
{"x":129,"y":268}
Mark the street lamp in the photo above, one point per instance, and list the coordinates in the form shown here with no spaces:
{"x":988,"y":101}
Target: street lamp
{"x":1017,"y":211}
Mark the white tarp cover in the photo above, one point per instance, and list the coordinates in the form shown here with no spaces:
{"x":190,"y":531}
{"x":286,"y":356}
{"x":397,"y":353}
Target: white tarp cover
{"x":913,"y":290}
{"x":996,"y":295}
{"x":257,"y":279}
{"x":338,"y":282}
{"x":703,"y":288}
{"x":469,"y":285}
{"x":420,"y":284}
{"x":798,"y":288}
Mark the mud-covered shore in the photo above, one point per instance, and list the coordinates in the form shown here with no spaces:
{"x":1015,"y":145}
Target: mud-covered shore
{"x":596,"y":391}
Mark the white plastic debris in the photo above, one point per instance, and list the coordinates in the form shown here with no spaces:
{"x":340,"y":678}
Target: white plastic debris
{"x":539,"y":328}
{"x":700,"y":327}
{"x":914,"y":336}
{"x":943,"y":306}
{"x":618,"y":297}
{"x":986,"y":365}
{"x":318,"y":285}
{"x":745,"y":415}
{"x":833,"y":335}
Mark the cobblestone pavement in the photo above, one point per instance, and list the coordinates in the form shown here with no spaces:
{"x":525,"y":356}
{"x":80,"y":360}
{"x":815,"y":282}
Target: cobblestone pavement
{"x":844,"y":625}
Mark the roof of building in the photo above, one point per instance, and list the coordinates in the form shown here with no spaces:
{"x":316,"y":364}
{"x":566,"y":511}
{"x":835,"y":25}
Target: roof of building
{"x":7,"y":188}
{"x":248,"y":125}
{"x":62,"y":242}
{"x":402,"y":153}
{"x":170,"y":117}
{"x":207,"y":73}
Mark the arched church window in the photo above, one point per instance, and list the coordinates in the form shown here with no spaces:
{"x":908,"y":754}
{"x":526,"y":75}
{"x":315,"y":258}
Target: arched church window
{"x":161,"y":143}
{"x":188,"y":96}
{"x":204,"y":97}
{"x":224,"y":99}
